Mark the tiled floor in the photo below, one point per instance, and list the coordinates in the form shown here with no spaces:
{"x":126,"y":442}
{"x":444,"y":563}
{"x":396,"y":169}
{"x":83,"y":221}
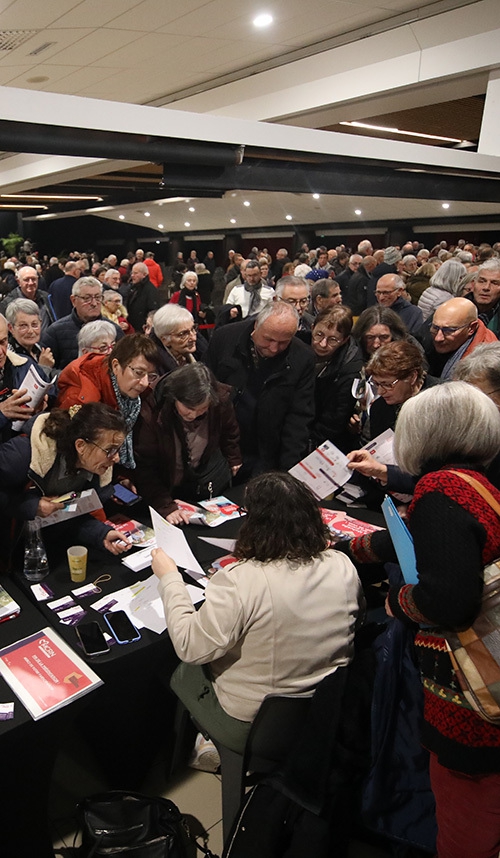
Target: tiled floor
{"x":197,"y":794}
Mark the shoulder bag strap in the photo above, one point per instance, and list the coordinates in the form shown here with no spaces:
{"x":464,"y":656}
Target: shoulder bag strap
{"x":488,"y":497}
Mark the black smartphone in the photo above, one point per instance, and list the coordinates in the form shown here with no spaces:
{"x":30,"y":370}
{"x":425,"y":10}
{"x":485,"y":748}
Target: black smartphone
{"x":122,"y":629}
{"x":125,"y":495}
{"x":91,"y":638}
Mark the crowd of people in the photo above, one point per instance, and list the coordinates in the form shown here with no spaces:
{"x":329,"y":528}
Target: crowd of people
{"x":177,"y":386}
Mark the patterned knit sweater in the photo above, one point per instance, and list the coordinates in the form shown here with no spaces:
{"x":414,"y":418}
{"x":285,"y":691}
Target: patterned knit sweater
{"x":455,"y":534}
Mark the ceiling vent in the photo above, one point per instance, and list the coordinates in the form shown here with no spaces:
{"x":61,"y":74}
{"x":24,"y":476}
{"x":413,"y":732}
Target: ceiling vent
{"x":12,"y":39}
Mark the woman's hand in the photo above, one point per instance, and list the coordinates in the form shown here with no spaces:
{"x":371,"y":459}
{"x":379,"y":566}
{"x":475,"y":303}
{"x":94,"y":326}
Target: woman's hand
{"x":354,"y":426}
{"x":363,"y":461}
{"x":178,"y":516}
{"x":115,"y":542}
{"x":235,"y":469}
{"x":46,"y":507}
{"x":46,"y":358}
{"x":162,"y":564}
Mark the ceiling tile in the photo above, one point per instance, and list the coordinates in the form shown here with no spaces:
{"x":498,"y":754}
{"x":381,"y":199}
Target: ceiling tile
{"x":151,"y":15}
{"x":25,"y":14}
{"x":93,"y":46}
{"x":96,"y":12}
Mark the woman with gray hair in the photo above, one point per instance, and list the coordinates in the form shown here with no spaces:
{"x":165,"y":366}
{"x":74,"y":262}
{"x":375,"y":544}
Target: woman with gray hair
{"x":188,"y":296}
{"x":25,"y":328}
{"x":446,"y":283}
{"x":444,"y":436}
{"x":97,"y":337}
{"x":176,"y":336}
{"x":187,"y":446}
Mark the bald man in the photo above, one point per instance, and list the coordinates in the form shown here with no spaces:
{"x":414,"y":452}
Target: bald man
{"x":455,"y":331}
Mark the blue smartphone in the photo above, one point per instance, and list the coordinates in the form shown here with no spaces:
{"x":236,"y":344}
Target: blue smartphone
{"x":125,"y":495}
{"x":121,"y":627}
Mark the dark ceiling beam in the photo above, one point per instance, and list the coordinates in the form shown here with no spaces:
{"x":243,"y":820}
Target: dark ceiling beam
{"x":348,"y":179}
{"x":86,"y":143}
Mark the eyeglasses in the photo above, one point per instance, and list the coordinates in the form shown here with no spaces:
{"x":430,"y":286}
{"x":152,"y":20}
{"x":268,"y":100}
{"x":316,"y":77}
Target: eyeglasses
{"x":184,"y":335}
{"x":28,"y":279}
{"x":139,"y":373}
{"x":384,"y":338}
{"x":110,"y":453}
{"x":319,"y":336}
{"x":90,"y":299}
{"x":383,"y":385}
{"x":24,"y":327}
{"x":296,"y":302}
{"x":104,"y":349}
{"x":447,"y":330}
{"x":385,"y":292}
{"x":152,"y":377}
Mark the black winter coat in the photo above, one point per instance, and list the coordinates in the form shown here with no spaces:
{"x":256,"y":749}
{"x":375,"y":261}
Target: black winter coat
{"x":274,"y":405}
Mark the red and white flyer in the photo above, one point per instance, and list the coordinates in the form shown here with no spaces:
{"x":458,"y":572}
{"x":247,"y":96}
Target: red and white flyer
{"x":45,"y":673}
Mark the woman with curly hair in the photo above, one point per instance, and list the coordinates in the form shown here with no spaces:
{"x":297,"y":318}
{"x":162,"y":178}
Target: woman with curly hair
{"x":278,"y":620}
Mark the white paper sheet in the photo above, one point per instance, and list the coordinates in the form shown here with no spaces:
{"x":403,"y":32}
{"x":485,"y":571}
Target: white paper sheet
{"x":174,"y":543}
{"x":226,"y":544}
{"x":146,"y":607}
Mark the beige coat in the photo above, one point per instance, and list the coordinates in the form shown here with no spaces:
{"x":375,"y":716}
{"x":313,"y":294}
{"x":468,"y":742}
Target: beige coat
{"x":267,"y":627}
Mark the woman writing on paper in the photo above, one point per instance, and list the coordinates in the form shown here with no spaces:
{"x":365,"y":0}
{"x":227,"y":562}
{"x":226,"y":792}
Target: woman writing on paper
{"x":277,"y":621}
{"x":451,"y":427}
{"x":188,"y":441}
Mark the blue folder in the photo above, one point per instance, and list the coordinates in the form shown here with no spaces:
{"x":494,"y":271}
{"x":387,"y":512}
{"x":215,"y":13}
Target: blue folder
{"x":402,"y":541}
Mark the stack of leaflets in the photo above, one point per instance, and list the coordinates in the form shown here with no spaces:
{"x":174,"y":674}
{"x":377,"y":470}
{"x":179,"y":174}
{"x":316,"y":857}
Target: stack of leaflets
{"x":45,"y":673}
{"x":140,"y":535}
{"x":8,"y":607}
{"x":343,"y":526}
{"x":212,"y":512}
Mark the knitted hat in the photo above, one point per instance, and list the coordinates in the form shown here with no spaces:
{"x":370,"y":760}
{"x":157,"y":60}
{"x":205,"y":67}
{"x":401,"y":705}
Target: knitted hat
{"x":391,"y":255}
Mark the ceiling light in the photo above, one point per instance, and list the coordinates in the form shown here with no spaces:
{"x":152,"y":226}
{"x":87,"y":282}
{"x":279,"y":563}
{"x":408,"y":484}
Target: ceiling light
{"x":445,"y":205}
{"x":246,"y":203}
{"x":357,"y":211}
{"x":147,"y":214}
{"x":315,"y":196}
{"x":263,"y":20}
{"x":186,"y":223}
{"x":405,"y":133}
{"x":157,"y":241}
{"x":233,"y":195}
{"x":288,"y":217}
{"x":191,"y":209}
{"x":233,"y":220}
{"x":50,"y":197}
{"x":121,"y":217}
{"x":160,"y":226}
{"x":20,"y":206}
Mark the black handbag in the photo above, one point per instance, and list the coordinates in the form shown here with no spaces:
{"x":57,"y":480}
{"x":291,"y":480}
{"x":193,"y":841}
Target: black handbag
{"x":135,"y":825}
{"x":208,"y":480}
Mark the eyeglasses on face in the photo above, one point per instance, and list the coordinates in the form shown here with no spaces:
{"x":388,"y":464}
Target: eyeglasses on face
{"x":138,"y":372}
{"x":447,"y":330}
{"x":296,"y":302}
{"x":385,"y":292}
{"x":104,"y":349}
{"x":184,"y":335}
{"x":90,"y":299}
{"x":319,"y":336}
{"x":383,"y":385}
{"x":110,"y":453}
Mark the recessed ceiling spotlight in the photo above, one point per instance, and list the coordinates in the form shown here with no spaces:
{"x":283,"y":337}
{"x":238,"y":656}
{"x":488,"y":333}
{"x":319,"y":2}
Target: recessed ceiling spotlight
{"x":288,"y":217}
{"x":445,"y":205}
{"x":233,"y":194}
{"x":147,"y":214}
{"x":315,"y":196}
{"x":160,"y":226}
{"x":186,"y":223}
{"x":121,"y":217}
{"x":357,"y":211}
{"x":157,"y":241}
{"x":246,"y":203}
{"x":233,"y":220}
{"x":263,"y":20}
{"x":191,"y":209}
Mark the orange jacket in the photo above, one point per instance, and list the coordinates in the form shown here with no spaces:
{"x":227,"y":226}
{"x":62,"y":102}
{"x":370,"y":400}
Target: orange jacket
{"x":155,"y":272}
{"x":86,"y":379}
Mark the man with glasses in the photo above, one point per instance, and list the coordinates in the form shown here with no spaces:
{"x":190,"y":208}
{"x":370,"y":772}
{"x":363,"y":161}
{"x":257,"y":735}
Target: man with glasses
{"x":295,"y":291}
{"x":62,"y":336}
{"x":455,"y":332}
{"x":27,"y":278}
{"x":389,"y":293}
